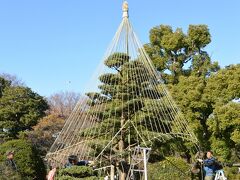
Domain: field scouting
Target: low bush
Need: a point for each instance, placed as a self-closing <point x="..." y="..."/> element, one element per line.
<point x="77" y="171"/>
<point x="231" y="172"/>
<point x="7" y="174"/>
<point x="73" y="178"/>
<point x="168" y="169"/>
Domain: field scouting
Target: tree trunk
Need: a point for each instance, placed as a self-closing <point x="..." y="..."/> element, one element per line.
<point x="122" y="175"/>
<point x="112" y="173"/>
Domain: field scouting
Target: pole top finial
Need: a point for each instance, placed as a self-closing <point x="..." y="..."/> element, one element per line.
<point x="125" y="9"/>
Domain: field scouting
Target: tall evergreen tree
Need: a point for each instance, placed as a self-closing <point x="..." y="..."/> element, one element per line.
<point x="131" y="104"/>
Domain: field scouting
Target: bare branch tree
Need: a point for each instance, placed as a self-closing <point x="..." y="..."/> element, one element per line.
<point x="62" y="103"/>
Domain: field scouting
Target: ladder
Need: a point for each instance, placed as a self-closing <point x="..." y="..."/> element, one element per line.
<point x="139" y="161"/>
<point x="220" y="175"/>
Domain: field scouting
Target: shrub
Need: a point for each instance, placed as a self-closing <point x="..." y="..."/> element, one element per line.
<point x="231" y="172"/>
<point x="67" y="178"/>
<point x="73" y="178"/>
<point x="168" y="169"/>
<point x="29" y="163"/>
<point x="7" y="174"/>
<point x="77" y="171"/>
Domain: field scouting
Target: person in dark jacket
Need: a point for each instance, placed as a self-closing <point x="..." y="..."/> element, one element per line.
<point x="210" y="166"/>
<point x="73" y="161"/>
<point x="10" y="163"/>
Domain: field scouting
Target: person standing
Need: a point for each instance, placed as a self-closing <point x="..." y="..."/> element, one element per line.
<point x="10" y="163"/>
<point x="209" y="166"/>
<point x="51" y="174"/>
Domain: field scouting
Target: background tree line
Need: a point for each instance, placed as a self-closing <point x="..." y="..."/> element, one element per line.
<point x="207" y="95"/>
<point x="29" y="124"/>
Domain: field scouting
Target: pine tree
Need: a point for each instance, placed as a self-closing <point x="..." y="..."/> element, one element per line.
<point x="130" y="104"/>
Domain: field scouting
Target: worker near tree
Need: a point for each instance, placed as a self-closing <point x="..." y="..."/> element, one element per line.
<point x="210" y="166"/>
<point x="10" y="163"/>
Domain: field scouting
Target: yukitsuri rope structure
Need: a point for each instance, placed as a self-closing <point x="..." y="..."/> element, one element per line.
<point x="125" y="106"/>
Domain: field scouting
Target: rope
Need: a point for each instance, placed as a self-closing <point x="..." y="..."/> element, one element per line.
<point x="129" y="106"/>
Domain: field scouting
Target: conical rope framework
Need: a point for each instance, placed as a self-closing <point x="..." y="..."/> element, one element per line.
<point x="127" y="106"/>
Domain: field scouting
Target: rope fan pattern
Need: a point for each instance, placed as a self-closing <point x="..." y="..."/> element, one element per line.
<point x="127" y="105"/>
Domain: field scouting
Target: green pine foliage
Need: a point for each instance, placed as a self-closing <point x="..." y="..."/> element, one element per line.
<point x="128" y="93"/>
<point x="168" y="169"/>
<point x="78" y="172"/>
<point x="73" y="178"/>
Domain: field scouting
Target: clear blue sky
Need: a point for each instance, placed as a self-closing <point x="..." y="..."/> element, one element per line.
<point x="48" y="43"/>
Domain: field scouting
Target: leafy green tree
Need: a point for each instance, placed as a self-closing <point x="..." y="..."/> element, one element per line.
<point x="224" y="126"/>
<point x="212" y="108"/>
<point x="223" y="93"/>
<point x="175" y="53"/>
<point x="224" y="86"/>
<point x="28" y="161"/>
<point x="186" y="67"/>
<point x="189" y="96"/>
<point x="20" y="108"/>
